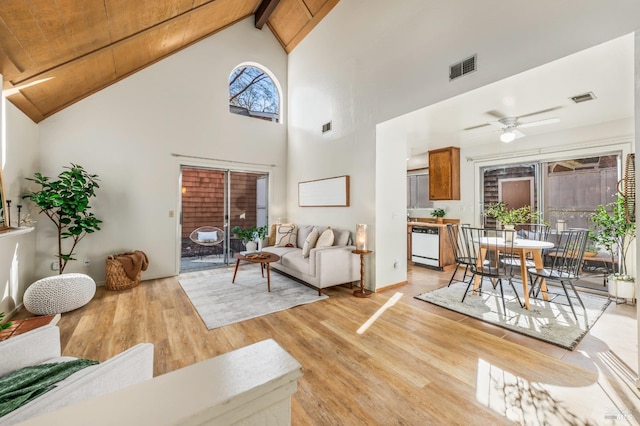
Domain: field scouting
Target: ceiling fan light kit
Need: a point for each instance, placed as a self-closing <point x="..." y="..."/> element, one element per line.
<point x="507" y="136"/>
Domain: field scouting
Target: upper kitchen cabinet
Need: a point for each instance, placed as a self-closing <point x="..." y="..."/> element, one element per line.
<point x="444" y="174"/>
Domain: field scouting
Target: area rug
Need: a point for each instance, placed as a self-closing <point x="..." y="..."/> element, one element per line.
<point x="552" y="321"/>
<point x="220" y="303"/>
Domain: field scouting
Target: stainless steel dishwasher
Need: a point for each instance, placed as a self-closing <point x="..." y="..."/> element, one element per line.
<point x="425" y="245"/>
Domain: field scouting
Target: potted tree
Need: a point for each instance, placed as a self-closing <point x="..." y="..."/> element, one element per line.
<point x="613" y="232"/>
<point x="66" y="202"/>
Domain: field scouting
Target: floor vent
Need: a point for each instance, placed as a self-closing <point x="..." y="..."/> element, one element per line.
<point x="326" y="127"/>
<point x="583" y="98"/>
<point x="462" y="68"/>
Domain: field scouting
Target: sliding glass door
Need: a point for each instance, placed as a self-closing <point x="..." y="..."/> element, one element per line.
<point x="566" y="190"/>
<point x="573" y="188"/>
<point x="516" y="185"/>
<point x="217" y="199"/>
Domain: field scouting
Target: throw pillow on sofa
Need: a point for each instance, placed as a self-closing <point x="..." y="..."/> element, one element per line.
<point x="310" y="242"/>
<point x="326" y="238"/>
<point x="286" y="235"/>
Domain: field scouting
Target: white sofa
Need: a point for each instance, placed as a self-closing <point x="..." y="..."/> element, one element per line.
<point x="325" y="267"/>
<point x="42" y="345"/>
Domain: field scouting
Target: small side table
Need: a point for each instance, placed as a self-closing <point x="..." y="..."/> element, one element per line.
<point x="362" y="292"/>
<point x="24" y="325"/>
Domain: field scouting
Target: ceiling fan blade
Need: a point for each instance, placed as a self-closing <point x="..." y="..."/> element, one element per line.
<point x="539" y="122"/>
<point x="542" y="111"/>
<point x="496" y="114"/>
<point x="498" y="124"/>
<point x="518" y="133"/>
<point x="476" y="127"/>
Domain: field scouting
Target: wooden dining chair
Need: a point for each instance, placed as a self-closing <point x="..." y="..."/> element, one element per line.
<point x="567" y="256"/>
<point x="487" y="249"/>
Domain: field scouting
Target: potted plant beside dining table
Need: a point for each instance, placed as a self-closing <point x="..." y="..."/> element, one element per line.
<point x="615" y="233"/>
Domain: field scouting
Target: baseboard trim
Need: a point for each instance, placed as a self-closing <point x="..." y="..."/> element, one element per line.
<point x="391" y="286"/>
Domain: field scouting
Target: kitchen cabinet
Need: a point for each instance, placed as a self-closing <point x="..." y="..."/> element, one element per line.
<point x="446" y="259"/>
<point x="444" y="174"/>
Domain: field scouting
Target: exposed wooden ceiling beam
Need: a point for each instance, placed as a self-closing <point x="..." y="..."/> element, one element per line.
<point x="264" y="11"/>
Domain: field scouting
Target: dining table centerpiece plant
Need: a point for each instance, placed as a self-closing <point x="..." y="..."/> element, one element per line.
<point x="65" y="202"/>
<point x="614" y="233"/>
<point x="511" y="217"/>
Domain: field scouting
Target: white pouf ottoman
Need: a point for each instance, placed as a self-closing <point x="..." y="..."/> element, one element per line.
<point x="58" y="294"/>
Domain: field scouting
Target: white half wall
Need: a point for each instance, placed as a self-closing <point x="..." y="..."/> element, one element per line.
<point x="19" y="159"/>
<point x="368" y="62"/>
<point x="127" y="133"/>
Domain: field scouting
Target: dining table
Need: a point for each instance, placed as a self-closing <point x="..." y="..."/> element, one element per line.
<point x="525" y="250"/>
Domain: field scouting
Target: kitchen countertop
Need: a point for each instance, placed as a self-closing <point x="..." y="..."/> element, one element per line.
<point x="431" y="222"/>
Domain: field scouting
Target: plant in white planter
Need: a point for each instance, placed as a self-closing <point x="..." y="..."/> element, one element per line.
<point x="613" y="232"/>
<point x="251" y="237"/>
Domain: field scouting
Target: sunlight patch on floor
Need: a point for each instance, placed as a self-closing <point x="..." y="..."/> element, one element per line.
<point x="392" y="301"/>
<point x="532" y="403"/>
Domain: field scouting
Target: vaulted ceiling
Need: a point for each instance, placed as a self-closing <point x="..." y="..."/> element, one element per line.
<point x="54" y="53"/>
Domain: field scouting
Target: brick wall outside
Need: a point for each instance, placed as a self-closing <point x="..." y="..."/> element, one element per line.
<point x="203" y="199"/>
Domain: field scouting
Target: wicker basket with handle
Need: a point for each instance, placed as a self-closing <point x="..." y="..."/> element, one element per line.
<point x="116" y="278"/>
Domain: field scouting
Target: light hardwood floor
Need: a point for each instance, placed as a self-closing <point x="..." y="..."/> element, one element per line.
<point x="417" y="364"/>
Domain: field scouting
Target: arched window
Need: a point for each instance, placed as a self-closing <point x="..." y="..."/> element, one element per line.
<point x="253" y="93"/>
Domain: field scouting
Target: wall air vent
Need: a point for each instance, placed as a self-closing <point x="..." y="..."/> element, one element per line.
<point x="583" y="98"/>
<point x="326" y="127"/>
<point x="462" y="68"/>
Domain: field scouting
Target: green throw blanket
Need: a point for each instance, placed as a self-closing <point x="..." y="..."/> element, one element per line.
<point x="21" y="386"/>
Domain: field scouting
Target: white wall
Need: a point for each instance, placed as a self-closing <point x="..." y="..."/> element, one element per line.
<point x="368" y="62"/>
<point x="127" y="133"/>
<point x="17" y="252"/>
<point x="636" y="61"/>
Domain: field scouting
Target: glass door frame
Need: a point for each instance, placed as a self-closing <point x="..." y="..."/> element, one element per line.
<point x="617" y="147"/>
<point x="227" y="222"/>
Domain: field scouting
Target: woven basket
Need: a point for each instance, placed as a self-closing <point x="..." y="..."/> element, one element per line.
<point x="116" y="278"/>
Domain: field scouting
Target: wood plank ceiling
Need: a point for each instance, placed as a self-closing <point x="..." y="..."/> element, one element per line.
<point x="54" y="53"/>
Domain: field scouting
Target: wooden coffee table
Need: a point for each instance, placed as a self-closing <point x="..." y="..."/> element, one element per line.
<point x="263" y="258"/>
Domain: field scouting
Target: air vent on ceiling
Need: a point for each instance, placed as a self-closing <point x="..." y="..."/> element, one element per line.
<point x="326" y="127"/>
<point x="462" y="68"/>
<point x="583" y="98"/>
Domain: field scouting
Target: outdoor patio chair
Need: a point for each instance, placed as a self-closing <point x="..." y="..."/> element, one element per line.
<point x="209" y="238"/>
<point x="567" y="258"/>
<point x="487" y="248"/>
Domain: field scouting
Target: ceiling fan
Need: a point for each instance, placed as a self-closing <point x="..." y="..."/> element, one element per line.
<point x="510" y="125"/>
